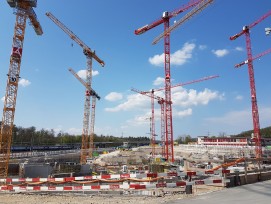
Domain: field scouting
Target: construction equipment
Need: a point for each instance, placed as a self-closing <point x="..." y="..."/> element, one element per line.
<point x="199" y="7"/>
<point x="267" y="31"/>
<point x="228" y="164"/>
<point x="147" y="27"/>
<point x="23" y="10"/>
<point x="91" y="92"/>
<point x="89" y="55"/>
<point x="168" y="110"/>
<point x="87" y="51"/>
<point x="162" y="103"/>
<point x="255" y="113"/>
<point x="152" y="121"/>
<point x="253" y="58"/>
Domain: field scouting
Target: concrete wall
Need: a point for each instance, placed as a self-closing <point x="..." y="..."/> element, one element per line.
<point x="237" y="180"/>
<point x="35" y="171"/>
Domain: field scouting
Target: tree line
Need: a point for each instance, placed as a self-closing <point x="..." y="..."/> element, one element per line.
<point x="32" y="136"/>
<point x="265" y="133"/>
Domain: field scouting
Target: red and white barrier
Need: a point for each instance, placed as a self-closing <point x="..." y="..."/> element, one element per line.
<point x="113" y="176"/>
<point x="112" y="186"/>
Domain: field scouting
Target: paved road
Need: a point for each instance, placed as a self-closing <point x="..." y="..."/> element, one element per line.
<point x="258" y="193"/>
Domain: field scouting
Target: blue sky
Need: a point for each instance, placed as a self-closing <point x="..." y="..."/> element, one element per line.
<point x="50" y="97"/>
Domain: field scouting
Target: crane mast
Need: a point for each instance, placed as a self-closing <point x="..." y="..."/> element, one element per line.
<point x="152" y="128"/>
<point x="253" y="58"/>
<point x="23" y="11"/>
<point x="85" y="143"/>
<point x="162" y="103"/>
<point x="89" y="55"/>
<point x="92" y="122"/>
<point x="199" y="7"/>
<point x="174" y="13"/>
<point x="255" y="112"/>
<point x="166" y="35"/>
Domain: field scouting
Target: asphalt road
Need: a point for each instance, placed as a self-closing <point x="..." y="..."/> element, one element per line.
<point x="258" y="193"/>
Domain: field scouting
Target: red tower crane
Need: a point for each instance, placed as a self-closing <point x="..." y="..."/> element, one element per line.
<point x="89" y="55"/>
<point x="91" y="92"/>
<point x="152" y="128"/>
<point x="253" y="58"/>
<point x="255" y="113"/>
<point x="168" y="110"/>
<point x="198" y="8"/>
<point x="168" y="15"/>
<point x="23" y="10"/>
<point x="162" y="102"/>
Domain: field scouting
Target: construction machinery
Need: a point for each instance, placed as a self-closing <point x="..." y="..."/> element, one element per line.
<point x="89" y="55"/>
<point x="198" y="8"/>
<point x="162" y="102"/>
<point x="89" y="92"/>
<point x="152" y="120"/>
<point x="255" y="113"/>
<point x="253" y="58"/>
<point x="168" y="109"/>
<point x="23" y="10"/>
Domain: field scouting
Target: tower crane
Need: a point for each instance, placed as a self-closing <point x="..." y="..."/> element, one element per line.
<point x="168" y="110"/>
<point x="91" y="92"/>
<point x="253" y="58"/>
<point x="86" y="50"/>
<point x="199" y="7"/>
<point x="23" y="10"/>
<point x="162" y="102"/>
<point x="89" y="55"/>
<point x="255" y="113"/>
<point x="174" y="13"/>
<point x="152" y="128"/>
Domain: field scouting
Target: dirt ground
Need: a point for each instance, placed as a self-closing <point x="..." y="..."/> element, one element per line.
<point x="30" y="198"/>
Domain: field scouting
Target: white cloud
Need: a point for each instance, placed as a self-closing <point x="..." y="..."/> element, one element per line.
<point x="202" y="47"/>
<point x="83" y="73"/>
<point x="185" y="113"/>
<point x="140" y="119"/>
<point x="239" y="49"/>
<point x="74" y="131"/>
<point x="58" y="129"/>
<point x="114" y="96"/>
<point x="235" y="121"/>
<point x="3" y="99"/>
<point x="24" y="82"/>
<point x="239" y="97"/>
<point x="133" y="101"/>
<point x="238" y="121"/>
<point x="144" y="118"/>
<point x="95" y="73"/>
<point x="180" y="57"/>
<point x="158" y="81"/>
<point x="186" y="98"/>
<point x="157" y="60"/>
<point x="220" y="53"/>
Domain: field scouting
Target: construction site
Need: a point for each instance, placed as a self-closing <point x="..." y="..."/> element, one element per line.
<point x="159" y="171"/>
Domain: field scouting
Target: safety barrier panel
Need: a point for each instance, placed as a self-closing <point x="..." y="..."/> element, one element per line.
<point x="115" y="176"/>
<point x="123" y="186"/>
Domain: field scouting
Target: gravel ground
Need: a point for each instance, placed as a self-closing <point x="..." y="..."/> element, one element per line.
<point x="69" y="198"/>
